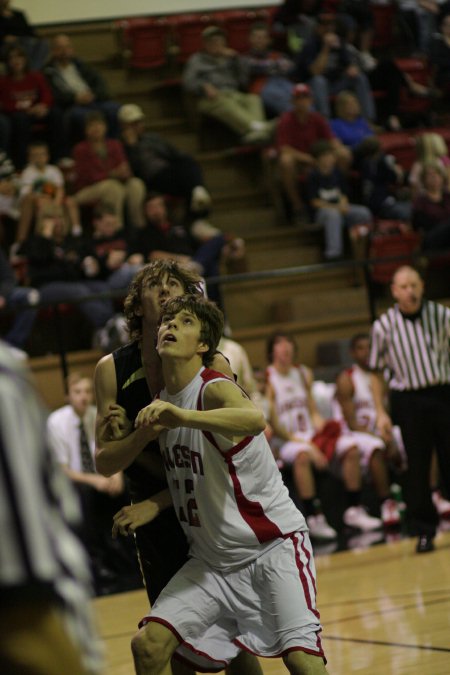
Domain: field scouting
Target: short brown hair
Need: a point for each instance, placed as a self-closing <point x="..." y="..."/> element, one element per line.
<point x="190" y="281"/>
<point x="209" y="315"/>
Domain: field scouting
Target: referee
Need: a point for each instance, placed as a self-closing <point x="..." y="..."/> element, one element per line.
<point x="45" y="618"/>
<point x="411" y="341"/>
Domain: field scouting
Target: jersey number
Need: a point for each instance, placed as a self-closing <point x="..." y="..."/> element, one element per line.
<point x="188" y="514"/>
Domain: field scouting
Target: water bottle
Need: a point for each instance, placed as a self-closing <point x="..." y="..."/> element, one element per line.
<point x="397" y="495"/>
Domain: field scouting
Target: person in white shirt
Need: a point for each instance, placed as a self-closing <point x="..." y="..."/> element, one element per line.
<point x="71" y="433"/>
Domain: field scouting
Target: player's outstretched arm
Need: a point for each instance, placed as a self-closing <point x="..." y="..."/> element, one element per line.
<point x="228" y="412"/>
<point x="112" y="456"/>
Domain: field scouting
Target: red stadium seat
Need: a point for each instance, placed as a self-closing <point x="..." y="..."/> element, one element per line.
<point x="237" y="26"/>
<point x="187" y="34"/>
<point x="400" y="144"/>
<point x="383" y="28"/>
<point x="144" y="42"/>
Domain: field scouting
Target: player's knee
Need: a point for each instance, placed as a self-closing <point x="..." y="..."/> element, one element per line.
<point x="149" y="651"/>
<point x="302" y="460"/>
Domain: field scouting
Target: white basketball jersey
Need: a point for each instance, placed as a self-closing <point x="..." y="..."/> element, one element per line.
<point x="365" y="413"/>
<point x="230" y="500"/>
<point x="291" y="400"/>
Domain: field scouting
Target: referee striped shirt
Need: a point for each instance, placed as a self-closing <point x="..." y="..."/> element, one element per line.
<point x="414" y="350"/>
<point x="37" y="548"/>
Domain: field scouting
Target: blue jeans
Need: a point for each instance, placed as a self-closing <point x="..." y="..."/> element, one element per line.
<point x="277" y="95"/>
<point x="334" y="222"/>
<point x="24" y="319"/>
<point x="97" y="311"/>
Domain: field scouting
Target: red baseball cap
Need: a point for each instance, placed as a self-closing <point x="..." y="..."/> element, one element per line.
<point x="301" y="90"/>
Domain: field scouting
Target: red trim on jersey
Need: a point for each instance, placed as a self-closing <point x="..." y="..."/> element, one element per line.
<point x="303" y="575"/>
<point x="320" y="652"/>
<point x="208" y="375"/>
<point x="252" y="512"/>
<point x="215" y="665"/>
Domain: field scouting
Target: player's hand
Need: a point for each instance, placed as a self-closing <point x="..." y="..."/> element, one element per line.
<point x="384" y="425"/>
<point x="318" y="458"/>
<point x="119" y="425"/>
<point x="129" y="518"/>
<point x="161" y="413"/>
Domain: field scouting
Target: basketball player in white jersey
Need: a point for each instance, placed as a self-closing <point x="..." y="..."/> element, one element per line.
<point x="296" y="423"/>
<point x="240" y="522"/>
<point x="356" y="407"/>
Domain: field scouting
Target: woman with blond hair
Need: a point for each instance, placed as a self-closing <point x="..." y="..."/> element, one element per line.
<point x="431" y="208"/>
<point x="430" y="147"/>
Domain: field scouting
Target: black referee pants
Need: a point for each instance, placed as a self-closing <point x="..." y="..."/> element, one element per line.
<point x="424" y="419"/>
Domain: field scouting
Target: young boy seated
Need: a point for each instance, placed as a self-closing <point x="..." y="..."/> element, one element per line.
<point x="328" y="198"/>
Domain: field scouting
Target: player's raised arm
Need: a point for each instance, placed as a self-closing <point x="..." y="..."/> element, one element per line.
<point x="228" y="412"/>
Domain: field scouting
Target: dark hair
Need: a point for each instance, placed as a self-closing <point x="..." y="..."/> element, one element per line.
<point x="37" y="144"/>
<point x="260" y="25"/>
<point x="209" y="315"/>
<point x="94" y="116"/>
<point x="16" y="49"/>
<point x="357" y="338"/>
<point x="273" y="339"/>
<point x="154" y="271"/>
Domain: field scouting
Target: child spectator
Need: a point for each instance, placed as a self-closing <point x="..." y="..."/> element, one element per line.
<point x="329" y="201"/>
<point x="430" y="147"/>
<point x="380" y="175"/>
<point x="42" y="183"/>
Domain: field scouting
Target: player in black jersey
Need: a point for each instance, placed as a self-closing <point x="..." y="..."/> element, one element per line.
<point x="125" y="382"/>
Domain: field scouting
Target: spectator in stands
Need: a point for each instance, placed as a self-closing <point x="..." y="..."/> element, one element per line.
<point x="420" y="18"/>
<point x="326" y="64"/>
<point x="269" y="72"/>
<point x="55" y="267"/>
<point x="431" y="208"/>
<point x="71" y="433"/>
<point x="300" y="439"/>
<point x="104" y="175"/>
<point x="328" y="197"/>
<point x="440" y="56"/>
<point x="15" y="30"/>
<point x="430" y="147"/>
<point x="357" y="15"/>
<point x="113" y="258"/>
<point x="15" y="297"/>
<point x="26" y="99"/>
<point x="78" y="89"/>
<point x="381" y="178"/>
<point x="293" y="23"/>
<point x="217" y="76"/>
<point x="385" y="76"/>
<point x="162" y="239"/>
<point x="296" y="134"/>
<point x="5" y="133"/>
<point x="42" y="183"/>
<point x="9" y="191"/>
<point x="349" y="125"/>
<point x="161" y="166"/>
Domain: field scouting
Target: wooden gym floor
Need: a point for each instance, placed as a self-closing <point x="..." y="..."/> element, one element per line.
<point x="385" y="611"/>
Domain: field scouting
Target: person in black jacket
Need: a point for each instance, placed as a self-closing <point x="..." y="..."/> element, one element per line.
<point x="78" y="89"/>
<point x="15" y="30"/>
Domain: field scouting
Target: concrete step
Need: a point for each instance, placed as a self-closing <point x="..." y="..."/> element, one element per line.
<point x="257" y="302"/>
